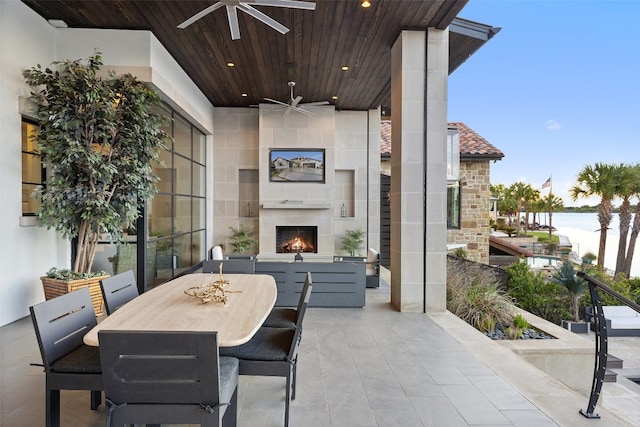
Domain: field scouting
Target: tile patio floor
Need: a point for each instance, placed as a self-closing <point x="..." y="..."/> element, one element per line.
<point x="358" y="368"/>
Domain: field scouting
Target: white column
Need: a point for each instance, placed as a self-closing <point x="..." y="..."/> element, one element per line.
<point x="419" y="71"/>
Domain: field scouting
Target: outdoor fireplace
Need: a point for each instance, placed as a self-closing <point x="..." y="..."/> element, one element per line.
<point x="292" y="239"/>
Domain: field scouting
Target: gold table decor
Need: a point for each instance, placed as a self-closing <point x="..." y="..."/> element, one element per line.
<point x="211" y="291"/>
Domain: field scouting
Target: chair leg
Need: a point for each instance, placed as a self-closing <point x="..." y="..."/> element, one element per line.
<point x="287" y="400"/>
<point x="294" y="369"/>
<point x="230" y="418"/>
<point x="96" y="399"/>
<point x="52" y="410"/>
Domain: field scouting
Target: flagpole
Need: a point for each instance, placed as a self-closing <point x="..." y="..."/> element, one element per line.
<point x="550" y="197"/>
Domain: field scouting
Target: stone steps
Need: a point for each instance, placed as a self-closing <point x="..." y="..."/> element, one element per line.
<point x="612" y="363"/>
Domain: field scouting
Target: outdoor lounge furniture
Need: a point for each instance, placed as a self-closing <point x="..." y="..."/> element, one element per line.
<point x="60" y="324"/>
<point x="167" y="377"/>
<point x="274" y="352"/>
<point x="118" y="290"/>
<point x="621" y="320"/>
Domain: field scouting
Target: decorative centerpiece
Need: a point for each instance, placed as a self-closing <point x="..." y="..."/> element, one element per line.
<point x="211" y="291"/>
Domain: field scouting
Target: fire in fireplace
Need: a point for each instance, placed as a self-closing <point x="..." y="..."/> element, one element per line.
<point x="292" y="239"/>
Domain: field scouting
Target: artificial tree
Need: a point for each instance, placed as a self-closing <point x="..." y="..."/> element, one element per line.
<point x="98" y="137"/>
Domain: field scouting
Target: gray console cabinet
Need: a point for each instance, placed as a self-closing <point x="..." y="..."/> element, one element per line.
<point x="335" y="284"/>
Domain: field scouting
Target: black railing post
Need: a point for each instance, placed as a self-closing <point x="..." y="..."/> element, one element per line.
<point x="602" y="337"/>
<point x="601" y="352"/>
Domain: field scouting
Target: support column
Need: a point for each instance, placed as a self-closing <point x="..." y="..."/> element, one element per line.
<point x="419" y="73"/>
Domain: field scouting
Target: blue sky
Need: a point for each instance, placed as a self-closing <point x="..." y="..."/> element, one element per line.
<point x="558" y="88"/>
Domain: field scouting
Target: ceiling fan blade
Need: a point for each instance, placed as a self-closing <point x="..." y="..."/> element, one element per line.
<point x="303" y="111"/>
<point x="264" y="18"/>
<point x="315" y="104"/>
<point x="294" y="102"/>
<point x="276" y="101"/>
<point x="293" y="4"/>
<point x="232" y="15"/>
<point x="202" y="13"/>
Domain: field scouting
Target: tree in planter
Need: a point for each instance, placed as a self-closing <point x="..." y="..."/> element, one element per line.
<point x="98" y="138"/>
<point x="352" y="241"/>
<point x="241" y="239"/>
<point x="567" y="277"/>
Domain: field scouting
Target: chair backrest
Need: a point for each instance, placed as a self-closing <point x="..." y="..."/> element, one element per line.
<point x="304" y="296"/>
<point x="61" y="323"/>
<point x="302" y="308"/>
<point x="160" y="367"/>
<point x="118" y="290"/>
<point x="230" y="266"/>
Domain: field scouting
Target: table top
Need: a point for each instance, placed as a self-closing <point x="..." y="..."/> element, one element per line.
<point x="167" y="308"/>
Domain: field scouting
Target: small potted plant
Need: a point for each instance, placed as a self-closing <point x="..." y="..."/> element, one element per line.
<point x="566" y="276"/>
<point x="97" y="137"/>
<point x="242" y="239"/>
<point x="588" y="258"/>
<point x="352" y="241"/>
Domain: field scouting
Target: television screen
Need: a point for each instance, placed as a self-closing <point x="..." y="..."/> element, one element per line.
<point x="296" y="165"/>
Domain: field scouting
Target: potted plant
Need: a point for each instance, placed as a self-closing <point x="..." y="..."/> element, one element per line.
<point x="588" y="258"/>
<point x="241" y="239"/>
<point x="98" y="137"/>
<point x="352" y="241"/>
<point x="567" y="277"/>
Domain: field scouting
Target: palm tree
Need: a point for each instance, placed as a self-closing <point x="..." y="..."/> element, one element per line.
<point x="531" y="195"/>
<point x="520" y="192"/>
<point x="598" y="180"/>
<point x="627" y="185"/>
<point x="634" y="191"/>
<point x="551" y="202"/>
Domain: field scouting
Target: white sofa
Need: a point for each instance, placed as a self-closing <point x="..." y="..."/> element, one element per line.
<point x="621" y="320"/>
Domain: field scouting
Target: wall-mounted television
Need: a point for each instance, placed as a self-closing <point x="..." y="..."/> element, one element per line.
<point x="305" y="165"/>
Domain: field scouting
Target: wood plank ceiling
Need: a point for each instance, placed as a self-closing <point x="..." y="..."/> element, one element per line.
<point x="338" y="33"/>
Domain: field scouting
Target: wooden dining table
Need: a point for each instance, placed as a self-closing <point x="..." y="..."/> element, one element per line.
<point x="250" y="298"/>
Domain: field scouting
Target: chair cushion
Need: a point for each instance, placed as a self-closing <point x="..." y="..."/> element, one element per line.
<point x="268" y="344"/>
<point x="281" y="318"/>
<point x="83" y="360"/>
<point x="229" y="371"/>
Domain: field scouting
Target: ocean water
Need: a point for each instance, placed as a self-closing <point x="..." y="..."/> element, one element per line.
<point x="583" y="230"/>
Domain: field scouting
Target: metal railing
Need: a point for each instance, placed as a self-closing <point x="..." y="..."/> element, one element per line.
<point x="601" y="341"/>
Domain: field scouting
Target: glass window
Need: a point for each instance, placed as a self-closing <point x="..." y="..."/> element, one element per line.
<point x="32" y="171"/>
<point x="176" y="216"/>
<point x="453" y="205"/>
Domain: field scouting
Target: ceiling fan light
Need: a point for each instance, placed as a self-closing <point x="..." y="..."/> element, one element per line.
<point x="365" y="4"/>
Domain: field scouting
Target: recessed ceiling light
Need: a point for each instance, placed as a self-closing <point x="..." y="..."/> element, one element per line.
<point x="344" y="67"/>
<point x="58" y="23"/>
<point x="231" y="64"/>
<point x="245" y="95"/>
<point x="334" y="97"/>
<point x="365" y="3"/>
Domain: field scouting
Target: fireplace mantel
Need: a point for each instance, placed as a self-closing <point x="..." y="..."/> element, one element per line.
<point x="284" y="205"/>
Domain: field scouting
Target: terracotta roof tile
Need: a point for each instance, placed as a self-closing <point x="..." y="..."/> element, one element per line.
<point x="472" y="145"/>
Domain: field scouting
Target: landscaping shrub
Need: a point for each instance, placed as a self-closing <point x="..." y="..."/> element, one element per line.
<point x="473" y="296"/>
<point x="535" y="294"/>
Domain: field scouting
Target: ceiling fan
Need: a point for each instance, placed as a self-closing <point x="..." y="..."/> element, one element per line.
<point x="295" y="105"/>
<point x="232" y="7"/>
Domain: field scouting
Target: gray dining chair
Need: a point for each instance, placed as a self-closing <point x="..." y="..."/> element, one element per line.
<point x="118" y="290"/>
<point x="167" y="377"/>
<point x="230" y="266"/>
<point x="69" y="364"/>
<point x="284" y="317"/>
<point x="273" y="352"/>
